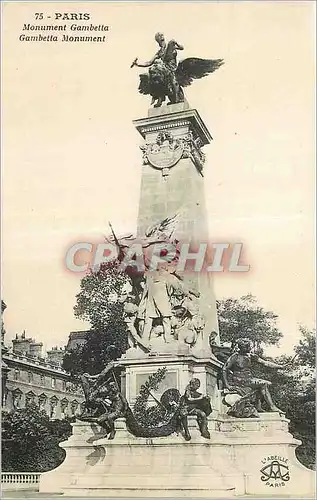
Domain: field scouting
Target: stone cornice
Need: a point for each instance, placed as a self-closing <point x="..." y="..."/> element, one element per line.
<point x="34" y="364"/>
<point x="169" y="359"/>
<point x="31" y="386"/>
<point x="189" y="117"/>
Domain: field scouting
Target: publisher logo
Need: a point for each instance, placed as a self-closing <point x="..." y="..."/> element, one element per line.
<point x="275" y="472"/>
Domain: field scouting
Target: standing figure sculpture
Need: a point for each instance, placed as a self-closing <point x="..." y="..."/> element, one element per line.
<point x="130" y="310"/>
<point x="166" y="77"/>
<point x="238" y="380"/>
<point x="156" y="301"/>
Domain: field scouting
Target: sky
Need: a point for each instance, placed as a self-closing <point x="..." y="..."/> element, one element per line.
<point x="71" y="159"/>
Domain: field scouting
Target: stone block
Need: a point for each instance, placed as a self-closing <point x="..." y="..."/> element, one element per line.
<point x="168" y="109"/>
<point x="180" y="369"/>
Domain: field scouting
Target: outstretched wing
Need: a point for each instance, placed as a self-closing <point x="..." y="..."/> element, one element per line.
<point x="165" y="227"/>
<point x="193" y="67"/>
<point x="144" y="86"/>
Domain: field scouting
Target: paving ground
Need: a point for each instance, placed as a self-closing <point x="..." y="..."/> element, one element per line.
<point x="28" y="494"/>
<point x="36" y="495"/>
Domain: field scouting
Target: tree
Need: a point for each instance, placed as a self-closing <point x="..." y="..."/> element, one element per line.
<point x="30" y="440"/>
<point x="306" y="349"/>
<point x="97" y="302"/>
<point x="243" y="317"/>
<point x="293" y="390"/>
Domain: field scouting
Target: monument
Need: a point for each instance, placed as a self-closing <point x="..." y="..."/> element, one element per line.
<point x="200" y="437"/>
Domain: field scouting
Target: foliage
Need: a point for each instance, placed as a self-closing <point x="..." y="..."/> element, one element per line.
<point x="99" y="291"/>
<point x="93" y="355"/>
<point x="297" y="398"/>
<point x="243" y="317"/>
<point x="97" y="302"/>
<point x="293" y="389"/>
<point x="30" y="440"/>
<point x="149" y="416"/>
<point x="306" y="349"/>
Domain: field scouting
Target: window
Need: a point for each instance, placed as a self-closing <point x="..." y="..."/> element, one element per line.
<point x="63" y="385"/>
<point x="74" y="406"/>
<point x="16" y="374"/>
<point x="64" y="407"/>
<point x="53" y="382"/>
<point x="53" y="405"/>
<point x="42" y="380"/>
<point x="30" y="377"/>
<point x="42" y="401"/>
<point x="16" y="399"/>
<point x="29" y="398"/>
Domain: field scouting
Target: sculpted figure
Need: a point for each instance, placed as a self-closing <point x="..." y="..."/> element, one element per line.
<point x="163" y="65"/>
<point x="104" y="402"/>
<point x="156" y="302"/>
<point x="197" y="404"/>
<point x="238" y="379"/>
<point x="94" y="385"/>
<point x="166" y="77"/>
<point x="130" y="314"/>
<point x="114" y="406"/>
<point x="159" y="233"/>
<point x="187" y="322"/>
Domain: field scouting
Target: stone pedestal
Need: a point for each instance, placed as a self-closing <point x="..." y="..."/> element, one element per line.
<point x="172" y="184"/>
<point x="180" y="369"/>
<point x="230" y="464"/>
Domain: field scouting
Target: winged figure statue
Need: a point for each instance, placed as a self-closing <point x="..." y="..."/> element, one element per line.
<point x="166" y="77"/>
<point x="160" y="232"/>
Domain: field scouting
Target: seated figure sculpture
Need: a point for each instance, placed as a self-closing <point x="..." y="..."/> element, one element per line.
<point x="93" y="385"/>
<point x="197" y="404"/>
<point x="115" y="406"/>
<point x="104" y="404"/>
<point x="238" y="379"/>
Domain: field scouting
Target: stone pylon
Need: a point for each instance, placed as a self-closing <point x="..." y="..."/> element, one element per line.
<point x="173" y="184"/>
<point x="172" y="187"/>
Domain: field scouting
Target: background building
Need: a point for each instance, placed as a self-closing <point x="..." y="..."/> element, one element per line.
<point x="29" y="377"/>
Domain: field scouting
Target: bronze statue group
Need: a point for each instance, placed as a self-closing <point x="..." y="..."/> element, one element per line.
<point x="105" y="403"/>
<point x="166" y="77"/>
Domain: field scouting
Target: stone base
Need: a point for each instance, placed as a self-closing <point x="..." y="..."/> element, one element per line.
<point x="167" y="109"/>
<point x="227" y="465"/>
<point x="180" y="369"/>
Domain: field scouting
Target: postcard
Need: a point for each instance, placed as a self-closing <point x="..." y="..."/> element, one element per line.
<point x="158" y="324"/>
